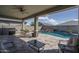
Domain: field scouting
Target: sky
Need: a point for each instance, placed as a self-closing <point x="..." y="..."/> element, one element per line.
<point x="58" y="18"/>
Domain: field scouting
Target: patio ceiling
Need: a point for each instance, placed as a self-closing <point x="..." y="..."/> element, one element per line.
<point x="13" y="11"/>
<point x="27" y="11"/>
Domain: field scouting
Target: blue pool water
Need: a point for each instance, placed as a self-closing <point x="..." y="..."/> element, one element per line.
<point x="59" y="34"/>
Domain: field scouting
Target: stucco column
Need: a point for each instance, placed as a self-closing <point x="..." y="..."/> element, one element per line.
<point x="35" y="27"/>
<point x="78" y="21"/>
<point x="22" y="25"/>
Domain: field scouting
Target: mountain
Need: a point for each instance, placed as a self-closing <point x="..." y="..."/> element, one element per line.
<point x="70" y="23"/>
<point x="53" y="22"/>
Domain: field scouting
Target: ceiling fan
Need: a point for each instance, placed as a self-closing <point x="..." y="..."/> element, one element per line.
<point x="20" y="8"/>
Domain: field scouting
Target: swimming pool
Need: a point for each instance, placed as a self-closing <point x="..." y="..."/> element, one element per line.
<point x="59" y="34"/>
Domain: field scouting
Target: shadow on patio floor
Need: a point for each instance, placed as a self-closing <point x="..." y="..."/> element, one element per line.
<point x="22" y="46"/>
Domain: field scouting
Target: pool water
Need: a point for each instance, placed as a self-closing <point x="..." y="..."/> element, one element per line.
<point x="59" y="34"/>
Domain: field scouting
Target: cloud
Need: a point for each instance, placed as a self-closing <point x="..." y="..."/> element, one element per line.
<point x="44" y="17"/>
<point x="47" y="21"/>
<point x="75" y="19"/>
<point x="53" y="21"/>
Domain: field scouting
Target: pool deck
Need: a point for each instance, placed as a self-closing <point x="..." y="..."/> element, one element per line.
<point x="51" y="43"/>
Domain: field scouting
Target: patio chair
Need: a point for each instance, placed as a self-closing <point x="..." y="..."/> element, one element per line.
<point x="8" y="46"/>
<point x="70" y="46"/>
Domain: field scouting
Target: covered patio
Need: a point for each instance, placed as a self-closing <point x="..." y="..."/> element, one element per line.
<point x="17" y="14"/>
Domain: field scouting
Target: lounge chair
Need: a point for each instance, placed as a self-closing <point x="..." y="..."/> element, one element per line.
<point x="70" y="46"/>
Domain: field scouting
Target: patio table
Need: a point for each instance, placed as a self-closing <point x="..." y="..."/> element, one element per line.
<point x="36" y="45"/>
